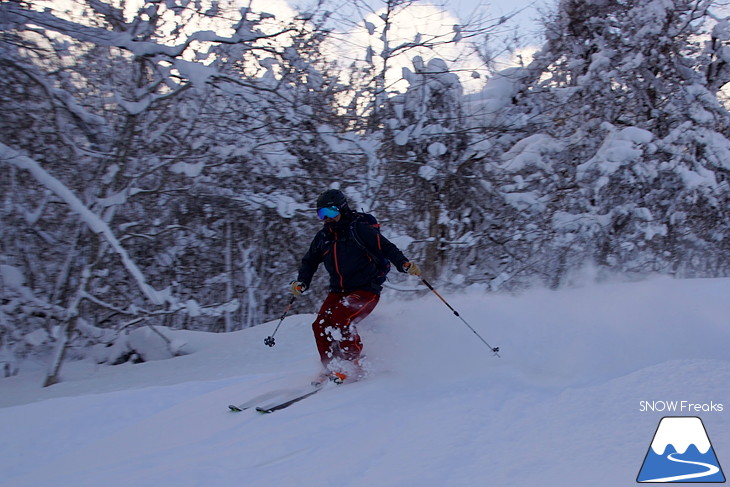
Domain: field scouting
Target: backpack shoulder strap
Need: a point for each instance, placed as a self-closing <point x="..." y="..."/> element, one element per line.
<point x="353" y="233"/>
<point x="380" y="261"/>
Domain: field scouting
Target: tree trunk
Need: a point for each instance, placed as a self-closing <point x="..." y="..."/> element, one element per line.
<point x="64" y="338"/>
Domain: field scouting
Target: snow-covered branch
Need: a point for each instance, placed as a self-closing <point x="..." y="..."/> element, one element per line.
<point x="125" y="39"/>
<point x="92" y="220"/>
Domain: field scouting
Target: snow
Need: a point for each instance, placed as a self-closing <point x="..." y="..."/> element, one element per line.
<point x="621" y="147"/>
<point x="498" y="91"/>
<point x="688" y="430"/>
<point x="191" y="170"/>
<point x="427" y="172"/>
<point x="437" y="149"/>
<point x="11" y="276"/>
<point x="524" y="201"/>
<point x="529" y="152"/>
<point x="561" y="407"/>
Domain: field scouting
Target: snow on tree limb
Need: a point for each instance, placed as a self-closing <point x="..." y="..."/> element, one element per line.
<point x="12" y="13"/>
<point x="96" y="224"/>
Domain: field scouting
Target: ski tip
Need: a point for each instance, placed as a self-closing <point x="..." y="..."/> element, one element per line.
<point x="264" y="410"/>
<point x="234" y="409"/>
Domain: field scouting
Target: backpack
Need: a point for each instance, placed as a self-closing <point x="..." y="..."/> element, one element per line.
<point x="380" y="261"/>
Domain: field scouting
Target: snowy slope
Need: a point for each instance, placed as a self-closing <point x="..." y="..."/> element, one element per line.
<point x="561" y="407"/>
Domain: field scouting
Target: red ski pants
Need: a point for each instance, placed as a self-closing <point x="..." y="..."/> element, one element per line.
<point x="334" y="329"/>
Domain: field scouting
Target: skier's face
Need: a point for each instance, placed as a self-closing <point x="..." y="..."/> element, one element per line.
<point x="331" y="220"/>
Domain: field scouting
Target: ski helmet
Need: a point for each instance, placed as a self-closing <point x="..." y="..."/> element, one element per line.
<point x="333" y="197"/>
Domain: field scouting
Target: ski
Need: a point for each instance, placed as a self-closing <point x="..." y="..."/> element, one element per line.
<point x="276" y="406"/>
<point x="283" y="398"/>
<point x="267" y="396"/>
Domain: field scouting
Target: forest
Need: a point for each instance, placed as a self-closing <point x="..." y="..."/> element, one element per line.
<point x="160" y="159"/>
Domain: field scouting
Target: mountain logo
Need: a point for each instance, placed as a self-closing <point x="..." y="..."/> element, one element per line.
<point x="681" y="452"/>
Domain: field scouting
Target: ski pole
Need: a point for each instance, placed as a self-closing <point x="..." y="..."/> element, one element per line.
<point x="269" y="341"/>
<point x="493" y="349"/>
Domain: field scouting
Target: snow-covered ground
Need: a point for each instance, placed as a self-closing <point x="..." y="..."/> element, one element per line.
<point x="561" y="407"/>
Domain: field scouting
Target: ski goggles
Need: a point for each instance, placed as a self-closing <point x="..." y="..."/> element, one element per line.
<point x="328" y="212"/>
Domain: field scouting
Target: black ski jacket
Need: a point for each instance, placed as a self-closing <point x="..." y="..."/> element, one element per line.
<point x="350" y="267"/>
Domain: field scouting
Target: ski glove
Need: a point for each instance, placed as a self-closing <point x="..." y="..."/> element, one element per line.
<point x="412" y="268"/>
<point x="298" y="288"/>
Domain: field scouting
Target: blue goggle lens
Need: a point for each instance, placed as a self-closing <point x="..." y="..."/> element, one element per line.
<point x="328" y="212"/>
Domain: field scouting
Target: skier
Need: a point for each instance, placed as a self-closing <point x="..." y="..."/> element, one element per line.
<point x="355" y="255"/>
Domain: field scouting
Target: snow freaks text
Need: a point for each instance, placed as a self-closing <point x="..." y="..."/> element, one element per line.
<point x="680" y="407"/>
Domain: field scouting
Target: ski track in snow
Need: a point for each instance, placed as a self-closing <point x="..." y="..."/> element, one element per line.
<point x="711" y="470"/>
<point x="561" y="407"/>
